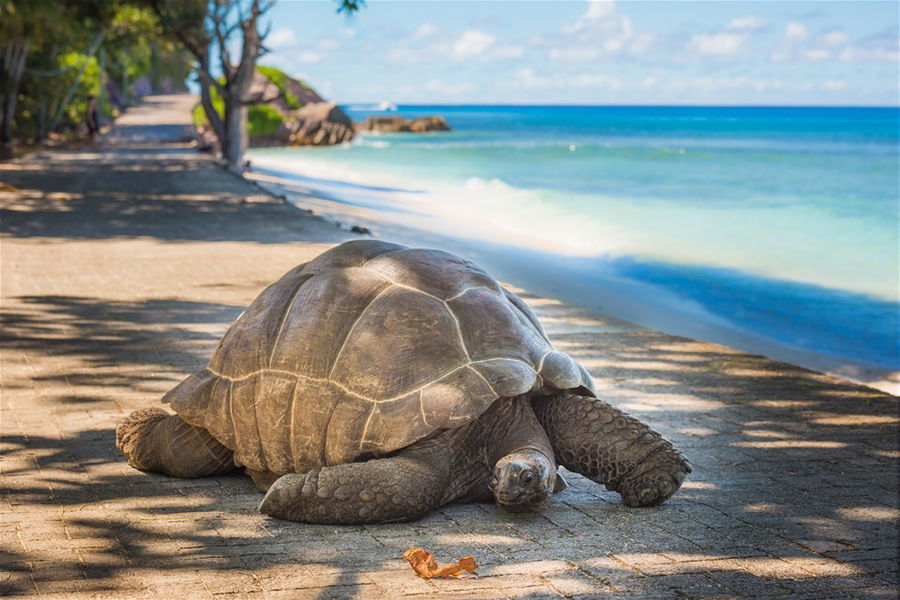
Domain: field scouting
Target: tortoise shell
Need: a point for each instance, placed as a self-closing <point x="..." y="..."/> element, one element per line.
<point x="364" y="350"/>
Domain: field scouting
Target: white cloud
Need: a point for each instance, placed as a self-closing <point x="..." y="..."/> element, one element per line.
<point x="834" y="85"/>
<point x="869" y="54"/>
<point x="817" y="54"/>
<point x="327" y="44"/>
<point x="501" y="52"/>
<point x="574" y="54"/>
<point x="835" y="38"/>
<point x="471" y="44"/>
<point x="746" y="24"/>
<point x="527" y="78"/>
<point x="795" y="31"/>
<point x="589" y="80"/>
<point x="597" y="11"/>
<point x="599" y="31"/>
<point x="642" y="42"/>
<point x="402" y="55"/>
<point x="310" y="57"/>
<point x="881" y="47"/>
<point x="789" y="47"/>
<point x="833" y="45"/>
<point x="729" y="40"/>
<point x="712" y="85"/>
<point x="718" y="44"/>
<point x="426" y="30"/>
<point x="281" y="38"/>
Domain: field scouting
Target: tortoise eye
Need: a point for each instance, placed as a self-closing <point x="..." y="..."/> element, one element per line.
<point x="526" y="476"/>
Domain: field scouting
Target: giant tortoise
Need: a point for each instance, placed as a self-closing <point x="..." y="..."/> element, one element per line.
<point x="378" y="382"/>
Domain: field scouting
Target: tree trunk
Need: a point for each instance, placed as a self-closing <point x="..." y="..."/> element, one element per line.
<point x="215" y="120"/>
<point x="236" y="138"/>
<point x="41" y="125"/>
<point x="14" y="66"/>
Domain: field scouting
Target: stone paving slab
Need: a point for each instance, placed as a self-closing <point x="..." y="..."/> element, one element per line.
<point x="123" y="265"/>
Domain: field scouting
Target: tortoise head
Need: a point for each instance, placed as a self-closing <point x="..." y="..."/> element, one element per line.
<point x="523" y="480"/>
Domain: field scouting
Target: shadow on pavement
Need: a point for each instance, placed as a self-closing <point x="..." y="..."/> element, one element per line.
<point x="792" y="492"/>
<point x="67" y="200"/>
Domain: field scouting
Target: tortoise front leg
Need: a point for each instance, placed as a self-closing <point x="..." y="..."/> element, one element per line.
<point x="610" y="447"/>
<point x="401" y="488"/>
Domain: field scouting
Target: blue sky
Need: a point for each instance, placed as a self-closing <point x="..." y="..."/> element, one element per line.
<point x="593" y="52"/>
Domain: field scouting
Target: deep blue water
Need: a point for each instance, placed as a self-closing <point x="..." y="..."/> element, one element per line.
<point x="782" y="222"/>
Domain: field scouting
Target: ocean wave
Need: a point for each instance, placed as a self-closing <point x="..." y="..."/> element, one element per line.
<point x="361" y="141"/>
<point x="638" y="144"/>
<point x="763" y="234"/>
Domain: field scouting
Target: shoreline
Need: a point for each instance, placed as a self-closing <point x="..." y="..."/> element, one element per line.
<point x="558" y="277"/>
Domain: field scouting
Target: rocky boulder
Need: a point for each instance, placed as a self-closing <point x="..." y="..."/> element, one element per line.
<point x="399" y="124"/>
<point x="319" y="124"/>
<point x="290" y="95"/>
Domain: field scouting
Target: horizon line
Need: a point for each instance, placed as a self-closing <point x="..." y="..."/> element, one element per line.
<point x="618" y="105"/>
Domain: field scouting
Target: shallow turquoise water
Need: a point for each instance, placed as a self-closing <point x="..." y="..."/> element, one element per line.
<point x="780" y="221"/>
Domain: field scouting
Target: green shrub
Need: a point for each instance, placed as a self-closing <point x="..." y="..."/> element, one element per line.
<point x="262" y="119"/>
<point x="279" y="78"/>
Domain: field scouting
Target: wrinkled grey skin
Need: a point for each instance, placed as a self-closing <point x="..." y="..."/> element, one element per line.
<point x="508" y="410"/>
<point x="508" y="455"/>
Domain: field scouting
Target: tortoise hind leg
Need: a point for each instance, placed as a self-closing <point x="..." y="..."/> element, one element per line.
<point x="401" y="488"/>
<point x="604" y="444"/>
<point x="154" y="440"/>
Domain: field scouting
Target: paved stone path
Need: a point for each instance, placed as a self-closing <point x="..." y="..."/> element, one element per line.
<point x="121" y="267"/>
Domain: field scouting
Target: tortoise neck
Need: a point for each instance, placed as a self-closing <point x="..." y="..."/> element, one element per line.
<point x="471" y="452"/>
<point x="513" y="427"/>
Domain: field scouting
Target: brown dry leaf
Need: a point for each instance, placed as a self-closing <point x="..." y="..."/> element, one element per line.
<point x="6" y="187"/>
<point x="426" y="566"/>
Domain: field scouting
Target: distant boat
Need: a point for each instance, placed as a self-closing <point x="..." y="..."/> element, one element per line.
<point x="385" y="105"/>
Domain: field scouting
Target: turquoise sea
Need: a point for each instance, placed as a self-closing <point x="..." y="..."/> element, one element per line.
<point x="778" y="222"/>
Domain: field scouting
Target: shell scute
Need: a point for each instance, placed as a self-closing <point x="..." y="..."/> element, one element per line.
<point x="455" y="399"/>
<point x="560" y="371"/>
<point x="507" y="377"/>
<point x="355" y="253"/>
<point x="403" y="341"/>
<point x="492" y="328"/>
<point x="434" y="272"/>
<point x="247" y="345"/>
<point x="313" y="405"/>
<point x="319" y="318"/>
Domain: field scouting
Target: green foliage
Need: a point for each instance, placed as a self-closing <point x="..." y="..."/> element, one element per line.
<point x="262" y="119"/>
<point x="350" y="6"/>
<point x="280" y="79"/>
<point x="88" y="85"/>
<point x="116" y="42"/>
